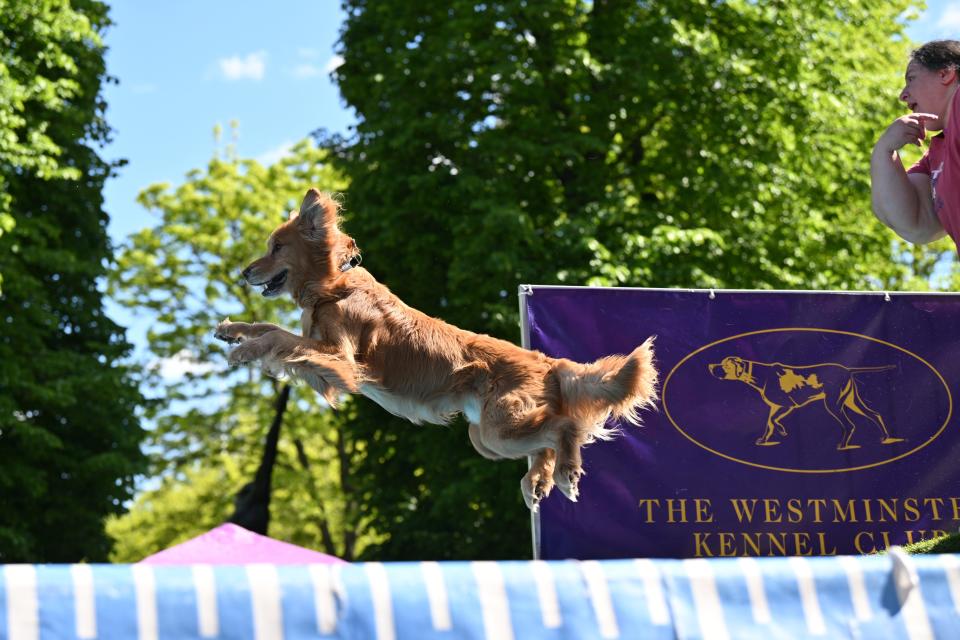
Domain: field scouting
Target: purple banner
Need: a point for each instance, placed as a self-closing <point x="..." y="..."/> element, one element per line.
<point x="787" y="423"/>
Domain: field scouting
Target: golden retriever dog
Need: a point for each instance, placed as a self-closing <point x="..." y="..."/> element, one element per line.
<point x="360" y="338"/>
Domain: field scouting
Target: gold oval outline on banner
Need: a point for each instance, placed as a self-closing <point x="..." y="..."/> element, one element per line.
<point x="663" y="399"/>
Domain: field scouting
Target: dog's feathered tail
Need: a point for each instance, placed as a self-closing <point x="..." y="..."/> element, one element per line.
<point x="618" y="386"/>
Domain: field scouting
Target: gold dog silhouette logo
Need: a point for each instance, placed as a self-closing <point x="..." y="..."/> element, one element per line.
<point x="806" y="400"/>
<point x="786" y="388"/>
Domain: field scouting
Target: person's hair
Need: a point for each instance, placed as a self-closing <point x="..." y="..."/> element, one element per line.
<point x="938" y="54"/>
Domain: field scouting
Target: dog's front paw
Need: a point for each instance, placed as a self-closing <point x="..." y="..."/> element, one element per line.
<point x="230" y="332"/>
<point x="245" y="353"/>
<point x="236" y="358"/>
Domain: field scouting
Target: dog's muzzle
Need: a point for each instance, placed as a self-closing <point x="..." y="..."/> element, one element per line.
<point x="716" y="370"/>
<point x="271" y="287"/>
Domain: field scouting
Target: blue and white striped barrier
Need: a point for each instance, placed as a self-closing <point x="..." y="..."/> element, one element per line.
<point x="873" y="597"/>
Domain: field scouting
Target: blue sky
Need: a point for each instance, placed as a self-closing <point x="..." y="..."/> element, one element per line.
<point x="940" y="20"/>
<point x="185" y="65"/>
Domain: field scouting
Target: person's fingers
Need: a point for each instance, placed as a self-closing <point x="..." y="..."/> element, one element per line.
<point x="913" y="131"/>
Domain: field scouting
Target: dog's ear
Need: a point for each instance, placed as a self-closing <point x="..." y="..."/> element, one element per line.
<point x="293" y="214"/>
<point x="318" y="214"/>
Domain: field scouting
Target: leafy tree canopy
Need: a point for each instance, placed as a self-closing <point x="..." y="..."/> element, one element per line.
<point x="69" y="434"/>
<point x="40" y="78"/>
<point x="604" y="142"/>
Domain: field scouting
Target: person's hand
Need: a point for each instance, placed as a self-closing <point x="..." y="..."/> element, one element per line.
<point x="908" y="129"/>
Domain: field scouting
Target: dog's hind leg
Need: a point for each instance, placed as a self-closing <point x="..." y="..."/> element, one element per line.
<point x="847" y="426"/>
<point x="569" y="467"/>
<point x="856" y="404"/>
<point x="778" y="418"/>
<point x="538" y="481"/>
<point x="514" y="427"/>
<point x="773" y="424"/>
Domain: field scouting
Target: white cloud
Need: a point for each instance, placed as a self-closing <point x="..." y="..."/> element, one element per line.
<point x="950" y="18"/>
<point x="251" y="67"/>
<point x="181" y="363"/>
<point x="270" y="157"/>
<point x="307" y="71"/>
<point x="333" y="63"/>
<point x="311" y="70"/>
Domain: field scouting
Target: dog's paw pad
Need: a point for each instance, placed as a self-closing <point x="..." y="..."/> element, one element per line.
<point x="229" y="332"/>
<point x="532" y="501"/>
<point x="542" y="489"/>
<point x="568" y="481"/>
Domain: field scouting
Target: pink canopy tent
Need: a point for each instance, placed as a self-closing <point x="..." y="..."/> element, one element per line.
<point x="230" y="544"/>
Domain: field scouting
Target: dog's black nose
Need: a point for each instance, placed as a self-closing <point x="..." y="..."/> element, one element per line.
<point x="245" y="274"/>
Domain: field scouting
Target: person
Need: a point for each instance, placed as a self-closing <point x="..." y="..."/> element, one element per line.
<point x="922" y="204"/>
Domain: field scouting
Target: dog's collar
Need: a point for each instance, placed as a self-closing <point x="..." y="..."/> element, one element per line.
<point x="351" y="263"/>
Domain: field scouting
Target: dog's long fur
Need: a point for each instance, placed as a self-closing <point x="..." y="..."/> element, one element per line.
<point x="360" y="338"/>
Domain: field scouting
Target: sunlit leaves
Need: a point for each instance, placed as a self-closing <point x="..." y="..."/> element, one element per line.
<point x="38" y="83"/>
<point x="657" y="144"/>
<point x="69" y="430"/>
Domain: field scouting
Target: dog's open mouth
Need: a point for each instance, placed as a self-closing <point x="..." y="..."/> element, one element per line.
<point x="273" y="286"/>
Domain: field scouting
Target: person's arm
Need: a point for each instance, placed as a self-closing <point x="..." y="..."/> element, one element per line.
<point x="903" y="202"/>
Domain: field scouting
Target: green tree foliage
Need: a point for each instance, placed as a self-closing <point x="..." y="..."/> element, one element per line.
<point x="607" y="142"/>
<point x="69" y="436"/>
<point x="210" y="422"/>
<point x="40" y="78"/>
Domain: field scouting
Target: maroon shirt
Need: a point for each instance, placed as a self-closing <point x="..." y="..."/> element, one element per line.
<point x="942" y="163"/>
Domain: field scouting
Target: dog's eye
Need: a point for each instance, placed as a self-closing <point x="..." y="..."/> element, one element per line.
<point x="275" y="249"/>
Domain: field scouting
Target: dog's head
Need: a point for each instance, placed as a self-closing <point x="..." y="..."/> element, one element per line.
<point x="309" y="247"/>
<point x="731" y="368"/>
